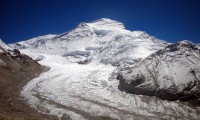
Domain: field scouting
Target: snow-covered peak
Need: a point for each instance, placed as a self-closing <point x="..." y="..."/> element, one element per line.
<point x="185" y="42"/>
<point x="103" y="40"/>
<point x="108" y="24"/>
<point x="181" y="45"/>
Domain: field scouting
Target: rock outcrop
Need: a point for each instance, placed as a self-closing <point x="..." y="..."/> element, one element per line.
<point x="172" y="73"/>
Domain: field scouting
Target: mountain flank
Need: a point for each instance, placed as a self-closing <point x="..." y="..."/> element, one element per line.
<point x="16" y="70"/>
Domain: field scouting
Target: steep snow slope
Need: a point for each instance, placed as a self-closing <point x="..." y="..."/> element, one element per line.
<point x="172" y="73"/>
<point x="32" y="43"/>
<point x="4" y="47"/>
<point x="82" y="81"/>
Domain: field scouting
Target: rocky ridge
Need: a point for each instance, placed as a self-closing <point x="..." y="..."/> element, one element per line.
<point x="172" y="73"/>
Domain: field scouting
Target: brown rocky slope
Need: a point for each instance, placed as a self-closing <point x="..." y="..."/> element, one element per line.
<point x="16" y="70"/>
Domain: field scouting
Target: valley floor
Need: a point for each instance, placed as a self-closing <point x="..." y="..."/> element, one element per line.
<point x="79" y="92"/>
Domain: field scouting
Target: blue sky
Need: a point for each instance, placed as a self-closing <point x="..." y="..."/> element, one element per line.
<point x="170" y="20"/>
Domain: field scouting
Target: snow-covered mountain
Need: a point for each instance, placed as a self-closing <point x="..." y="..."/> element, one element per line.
<point x="85" y="62"/>
<point x="103" y="40"/>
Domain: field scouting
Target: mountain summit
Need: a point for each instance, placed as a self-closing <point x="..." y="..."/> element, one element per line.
<point x="102" y="40"/>
<point x="107" y="24"/>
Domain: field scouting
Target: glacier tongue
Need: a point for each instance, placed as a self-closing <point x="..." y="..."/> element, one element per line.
<point x="81" y="83"/>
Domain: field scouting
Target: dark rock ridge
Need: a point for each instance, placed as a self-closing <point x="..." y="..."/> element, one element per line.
<point x="172" y="73"/>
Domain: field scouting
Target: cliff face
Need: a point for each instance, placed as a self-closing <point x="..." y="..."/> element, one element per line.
<point x="172" y="73"/>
